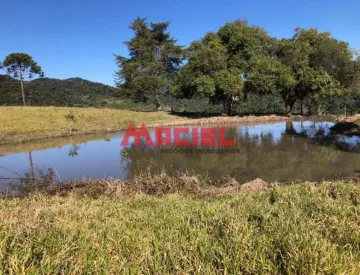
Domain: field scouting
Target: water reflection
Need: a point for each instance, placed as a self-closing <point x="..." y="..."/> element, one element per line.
<point x="280" y="151"/>
<point x="35" y="179"/>
<point x="74" y="150"/>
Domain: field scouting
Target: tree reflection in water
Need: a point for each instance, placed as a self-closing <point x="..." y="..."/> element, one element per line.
<point x="34" y="179"/>
<point x="304" y="151"/>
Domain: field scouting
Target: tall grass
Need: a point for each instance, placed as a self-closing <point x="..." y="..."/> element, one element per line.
<point x="302" y="229"/>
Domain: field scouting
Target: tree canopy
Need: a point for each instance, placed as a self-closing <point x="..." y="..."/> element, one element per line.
<point x="310" y="64"/>
<point x="154" y="59"/>
<point x="218" y="64"/>
<point x="240" y="59"/>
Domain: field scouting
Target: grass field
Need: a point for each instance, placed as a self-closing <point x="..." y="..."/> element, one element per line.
<point x="19" y="124"/>
<point x="301" y="229"/>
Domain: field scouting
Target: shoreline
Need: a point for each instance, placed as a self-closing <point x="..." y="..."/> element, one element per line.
<point x="105" y="121"/>
<point x="158" y="185"/>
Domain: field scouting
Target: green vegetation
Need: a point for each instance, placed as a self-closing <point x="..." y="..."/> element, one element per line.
<point x="154" y="61"/>
<point x="218" y="64"/>
<point x="297" y="68"/>
<point x="77" y="92"/>
<point x="73" y="92"/>
<point x="20" y="124"/>
<point x="303" y="229"/>
<point x="237" y="61"/>
<point x="21" y="66"/>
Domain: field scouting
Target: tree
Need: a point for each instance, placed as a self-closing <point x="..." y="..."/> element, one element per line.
<point x="218" y="64"/>
<point x="333" y="57"/>
<point x="311" y="64"/>
<point x="21" y="66"/>
<point x="154" y="59"/>
<point x="271" y="76"/>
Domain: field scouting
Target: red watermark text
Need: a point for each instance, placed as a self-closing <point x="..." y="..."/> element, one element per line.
<point x="178" y="137"/>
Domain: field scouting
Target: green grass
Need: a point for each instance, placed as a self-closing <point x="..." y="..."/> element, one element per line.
<point x="19" y="124"/>
<point x="301" y="229"/>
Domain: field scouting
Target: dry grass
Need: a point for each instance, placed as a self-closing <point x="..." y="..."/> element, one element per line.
<point x="153" y="185"/>
<point x="301" y="229"/>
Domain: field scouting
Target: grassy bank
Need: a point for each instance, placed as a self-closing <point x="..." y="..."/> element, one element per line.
<point x="303" y="229"/>
<point x="21" y="124"/>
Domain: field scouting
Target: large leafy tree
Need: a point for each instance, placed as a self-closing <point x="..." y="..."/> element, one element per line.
<point x="154" y="59"/>
<point x="270" y="76"/>
<point x="333" y="57"/>
<point x="311" y="64"/>
<point x="218" y="64"/>
<point x="21" y="66"/>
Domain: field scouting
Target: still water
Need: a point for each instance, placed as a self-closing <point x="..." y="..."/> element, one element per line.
<point x="281" y="151"/>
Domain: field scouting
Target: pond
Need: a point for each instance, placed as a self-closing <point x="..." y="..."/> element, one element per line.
<point x="279" y="151"/>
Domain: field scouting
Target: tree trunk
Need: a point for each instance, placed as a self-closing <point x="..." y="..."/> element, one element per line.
<point x="302" y="108"/>
<point x="288" y="109"/>
<point x="230" y="106"/>
<point x="22" y="87"/>
<point x="157" y="103"/>
<point x="319" y="110"/>
<point x="289" y="104"/>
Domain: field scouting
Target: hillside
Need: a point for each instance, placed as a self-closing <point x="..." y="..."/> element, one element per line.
<point x="73" y="92"/>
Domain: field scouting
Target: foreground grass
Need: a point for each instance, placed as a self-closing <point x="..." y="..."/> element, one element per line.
<point x="19" y="124"/>
<point x="302" y="229"/>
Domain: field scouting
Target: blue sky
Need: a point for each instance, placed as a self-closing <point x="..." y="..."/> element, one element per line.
<point x="78" y="38"/>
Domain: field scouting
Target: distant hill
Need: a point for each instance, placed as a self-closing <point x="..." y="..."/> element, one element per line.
<point x="74" y="92"/>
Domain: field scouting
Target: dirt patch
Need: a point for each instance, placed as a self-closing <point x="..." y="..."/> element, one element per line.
<point x="223" y="120"/>
<point x="257" y="184"/>
<point x="233" y="187"/>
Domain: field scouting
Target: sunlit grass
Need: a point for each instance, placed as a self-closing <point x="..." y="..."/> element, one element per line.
<point x="302" y="229"/>
<point x="19" y="124"/>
